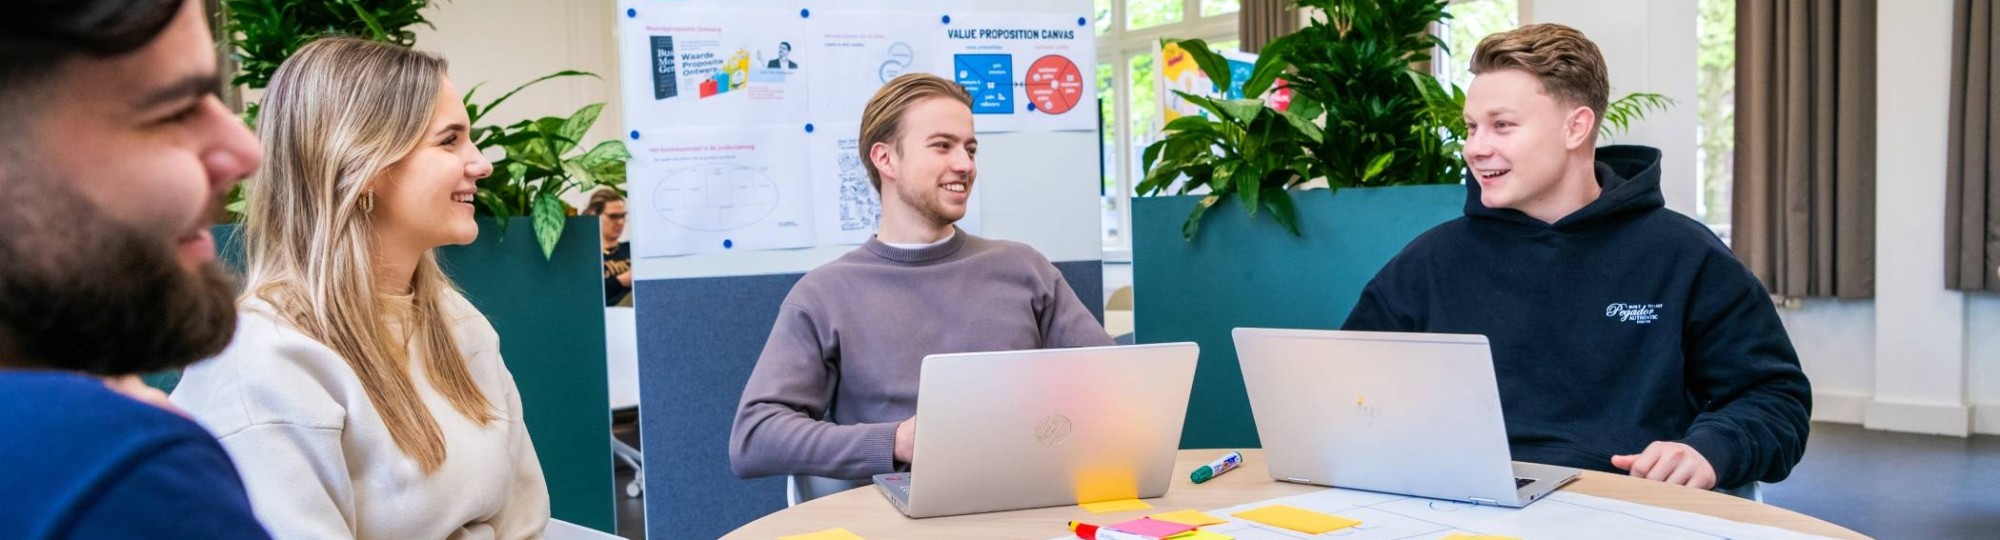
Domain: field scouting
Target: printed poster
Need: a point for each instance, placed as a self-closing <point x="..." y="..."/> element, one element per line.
<point x="1026" y="72"/>
<point x="692" y="67"/>
<point x="716" y="190"/>
<point x="857" y="52"/>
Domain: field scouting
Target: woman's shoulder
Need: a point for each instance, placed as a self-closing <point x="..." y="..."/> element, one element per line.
<point x="262" y="329"/>
<point x="271" y="373"/>
<point x="478" y="342"/>
<point x="468" y="324"/>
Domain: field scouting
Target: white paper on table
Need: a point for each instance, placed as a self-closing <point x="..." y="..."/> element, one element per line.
<point x="699" y="67"/>
<point x="1562" y="515"/>
<point x="725" y="189"/>
<point x="1033" y="72"/>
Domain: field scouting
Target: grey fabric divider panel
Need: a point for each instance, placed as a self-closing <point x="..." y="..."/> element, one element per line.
<point x="1087" y="277"/>
<point x="698" y="340"/>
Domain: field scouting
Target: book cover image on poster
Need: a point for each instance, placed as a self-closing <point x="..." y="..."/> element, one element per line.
<point x="711" y="67"/>
<point x="664" y="80"/>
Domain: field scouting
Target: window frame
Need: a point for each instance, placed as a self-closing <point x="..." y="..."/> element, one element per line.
<point x="1117" y="47"/>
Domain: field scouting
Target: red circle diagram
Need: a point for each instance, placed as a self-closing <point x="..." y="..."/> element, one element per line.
<point x="1054" y="84"/>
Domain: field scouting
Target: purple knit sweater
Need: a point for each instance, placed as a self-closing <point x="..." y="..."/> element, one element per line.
<point x="840" y="369"/>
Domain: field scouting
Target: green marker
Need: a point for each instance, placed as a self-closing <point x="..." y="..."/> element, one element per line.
<point x="1216" y="468"/>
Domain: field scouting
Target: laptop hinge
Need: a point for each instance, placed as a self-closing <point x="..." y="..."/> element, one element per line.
<point x="1483" y="500"/>
<point x="1297" y="480"/>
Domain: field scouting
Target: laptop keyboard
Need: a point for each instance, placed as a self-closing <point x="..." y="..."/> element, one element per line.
<point x="1522" y="482"/>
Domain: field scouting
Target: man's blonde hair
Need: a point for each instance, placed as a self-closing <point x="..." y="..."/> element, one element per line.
<point x="1568" y="64"/>
<point x="882" y="120"/>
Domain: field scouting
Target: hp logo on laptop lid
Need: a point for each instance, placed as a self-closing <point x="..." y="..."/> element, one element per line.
<point x="1052" y="430"/>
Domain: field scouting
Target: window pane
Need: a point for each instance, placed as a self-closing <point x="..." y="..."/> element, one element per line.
<point x="1715" y="110"/>
<point x="1470" y="22"/>
<point x="1107" y="102"/>
<point x="1103" y="16"/>
<point x="1112" y="220"/>
<point x="1144" y="13"/>
<point x="1218" y="7"/>
<point x="1143" y="104"/>
<point x="1107" y="110"/>
<point x="1144" y="107"/>
<point x="1229" y="45"/>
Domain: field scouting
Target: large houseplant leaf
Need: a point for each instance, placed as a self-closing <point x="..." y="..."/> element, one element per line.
<point x="548" y="216"/>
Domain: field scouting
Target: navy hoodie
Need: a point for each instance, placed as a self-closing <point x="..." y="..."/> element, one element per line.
<point x="78" y="461"/>
<point x="1621" y="324"/>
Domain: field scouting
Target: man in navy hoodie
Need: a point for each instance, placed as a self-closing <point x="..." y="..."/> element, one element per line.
<point x="115" y="156"/>
<point x="1626" y="337"/>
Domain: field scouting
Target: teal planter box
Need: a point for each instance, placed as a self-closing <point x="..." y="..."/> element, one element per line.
<point x="1245" y="271"/>
<point x="550" y="317"/>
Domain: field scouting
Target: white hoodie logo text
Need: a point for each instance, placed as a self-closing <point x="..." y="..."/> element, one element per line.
<point x="1634" y="313"/>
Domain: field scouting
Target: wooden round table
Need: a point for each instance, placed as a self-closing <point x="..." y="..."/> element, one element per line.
<point x="865" y="512"/>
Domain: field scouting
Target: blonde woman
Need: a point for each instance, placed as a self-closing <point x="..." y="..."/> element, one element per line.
<point x="363" y="397"/>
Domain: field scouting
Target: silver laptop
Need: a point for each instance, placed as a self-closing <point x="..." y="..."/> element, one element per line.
<point x="1029" y="429"/>
<point x="1405" y="413"/>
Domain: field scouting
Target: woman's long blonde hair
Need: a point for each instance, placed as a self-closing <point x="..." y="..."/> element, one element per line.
<point x="335" y="116"/>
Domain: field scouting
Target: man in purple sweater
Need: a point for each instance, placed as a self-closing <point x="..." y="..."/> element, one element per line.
<point x="834" y="392"/>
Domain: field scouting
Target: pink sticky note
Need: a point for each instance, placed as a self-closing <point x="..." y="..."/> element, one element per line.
<point x="1152" y="528"/>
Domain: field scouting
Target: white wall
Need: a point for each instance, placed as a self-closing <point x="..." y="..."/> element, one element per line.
<point x="1920" y="326"/>
<point x="1836" y="344"/>
<point x="1650" y="47"/>
<point x="1982" y="354"/>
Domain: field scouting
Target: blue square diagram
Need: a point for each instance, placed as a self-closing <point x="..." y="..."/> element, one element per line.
<point x="990" y="80"/>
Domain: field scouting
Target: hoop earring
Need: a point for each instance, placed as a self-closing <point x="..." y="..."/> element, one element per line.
<point x="368" y="202"/>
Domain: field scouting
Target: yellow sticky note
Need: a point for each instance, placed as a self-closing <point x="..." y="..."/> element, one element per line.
<point x="1463" y="536"/>
<point x="1297" y="519"/>
<point x="1199" y="534"/>
<point x="835" y="533"/>
<point x="1115" y="506"/>
<point x="1192" y="518"/>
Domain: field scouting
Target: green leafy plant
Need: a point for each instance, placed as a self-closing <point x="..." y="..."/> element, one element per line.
<point x="1622" y="112"/>
<point x="262" y="34"/>
<point x="1355" y="119"/>
<point x="1359" y="116"/>
<point x="544" y="160"/>
<point x="266" y="32"/>
<point x="1240" y="147"/>
<point x="1353" y="61"/>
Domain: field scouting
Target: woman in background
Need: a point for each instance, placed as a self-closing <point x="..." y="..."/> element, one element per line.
<point x="363" y="396"/>
<point x="609" y="207"/>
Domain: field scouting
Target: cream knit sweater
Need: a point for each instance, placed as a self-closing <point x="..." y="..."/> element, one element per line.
<point x="318" y="461"/>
